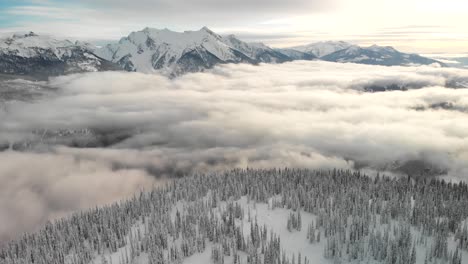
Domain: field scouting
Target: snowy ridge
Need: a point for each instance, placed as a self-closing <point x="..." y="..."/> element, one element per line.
<point x="176" y="53"/>
<point x="31" y="45"/>
<point x="45" y="56"/>
<point x="343" y="52"/>
<point x="378" y="55"/>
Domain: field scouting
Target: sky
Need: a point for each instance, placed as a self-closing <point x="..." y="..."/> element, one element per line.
<point x="424" y="26"/>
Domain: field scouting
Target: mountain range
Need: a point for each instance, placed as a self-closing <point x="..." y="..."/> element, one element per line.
<point x="34" y="55"/>
<point x="176" y="53"/>
<point x="377" y="55"/>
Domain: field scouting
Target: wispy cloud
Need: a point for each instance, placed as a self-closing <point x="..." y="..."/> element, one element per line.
<point x="47" y="12"/>
<point x="408" y="25"/>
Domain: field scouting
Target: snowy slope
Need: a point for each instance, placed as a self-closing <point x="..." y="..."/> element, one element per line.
<point x="294" y="243"/>
<point x="44" y="55"/>
<point x="264" y="217"/>
<point x="175" y="53"/>
<point x="323" y="48"/>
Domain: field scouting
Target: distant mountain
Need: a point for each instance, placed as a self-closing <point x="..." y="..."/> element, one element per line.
<point x="31" y="54"/>
<point x="456" y="61"/>
<point x="175" y="53"/>
<point x="323" y="48"/>
<point x="378" y="55"/>
<point x="340" y="51"/>
<point x="463" y="62"/>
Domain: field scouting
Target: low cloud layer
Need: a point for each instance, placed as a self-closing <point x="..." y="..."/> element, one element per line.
<point x="94" y="138"/>
<point x="37" y="187"/>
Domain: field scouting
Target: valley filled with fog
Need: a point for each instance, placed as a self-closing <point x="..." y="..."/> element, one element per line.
<point x="82" y="140"/>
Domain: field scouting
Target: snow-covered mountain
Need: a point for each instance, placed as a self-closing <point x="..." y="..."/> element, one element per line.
<point x="340" y="51"/>
<point x="175" y="53"/>
<point x="31" y="54"/>
<point x="378" y="55"/>
<point x="323" y="48"/>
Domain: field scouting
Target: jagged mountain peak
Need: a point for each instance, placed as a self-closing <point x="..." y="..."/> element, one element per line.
<point x="174" y="53"/>
<point x="170" y="37"/>
<point x="207" y="30"/>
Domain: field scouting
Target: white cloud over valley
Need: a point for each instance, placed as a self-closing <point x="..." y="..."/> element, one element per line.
<point x="99" y="137"/>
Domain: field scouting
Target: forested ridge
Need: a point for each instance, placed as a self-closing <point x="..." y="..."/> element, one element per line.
<point x="358" y="219"/>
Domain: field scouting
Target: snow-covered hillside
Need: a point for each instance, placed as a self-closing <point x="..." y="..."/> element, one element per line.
<point x="175" y="53"/>
<point x="265" y="216"/>
<point x="44" y="56"/>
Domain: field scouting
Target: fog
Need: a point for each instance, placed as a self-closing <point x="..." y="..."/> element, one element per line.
<point x="83" y="140"/>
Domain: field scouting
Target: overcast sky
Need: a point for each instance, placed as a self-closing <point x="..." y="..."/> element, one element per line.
<point x="423" y="26"/>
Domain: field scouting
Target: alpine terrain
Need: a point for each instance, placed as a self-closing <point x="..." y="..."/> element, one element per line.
<point x="42" y="56"/>
<point x="175" y="53"/>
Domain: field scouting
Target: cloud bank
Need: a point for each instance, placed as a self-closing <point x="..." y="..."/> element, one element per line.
<point x="93" y="138"/>
<point x="40" y="187"/>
